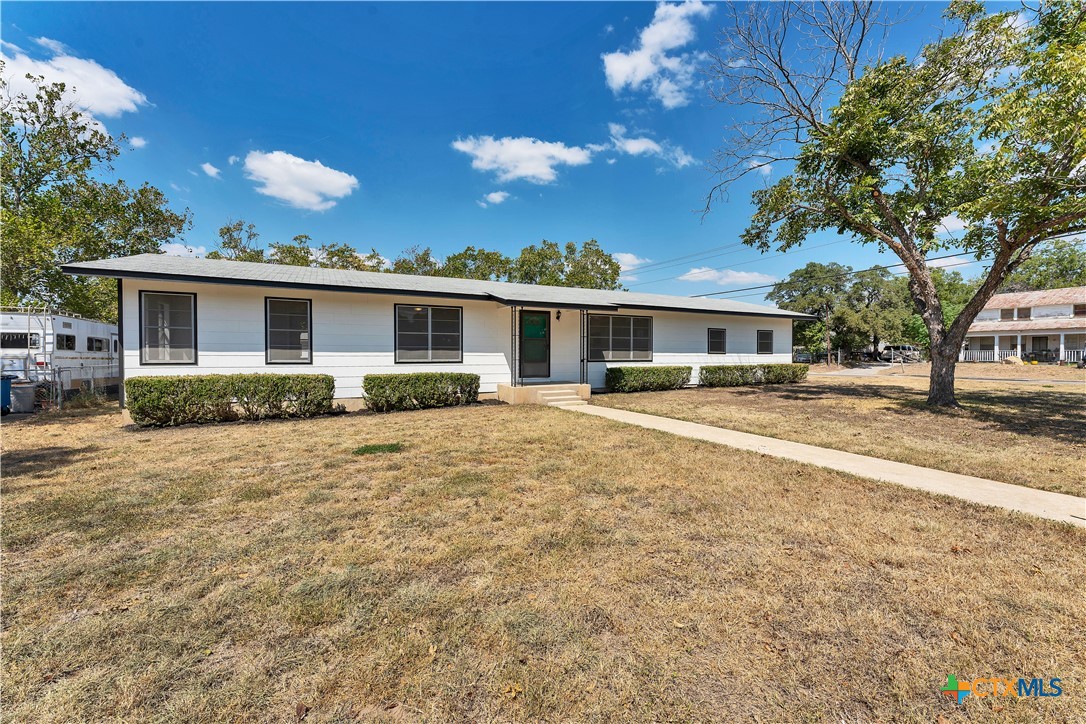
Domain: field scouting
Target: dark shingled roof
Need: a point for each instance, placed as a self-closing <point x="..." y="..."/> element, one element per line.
<point x="216" y="271"/>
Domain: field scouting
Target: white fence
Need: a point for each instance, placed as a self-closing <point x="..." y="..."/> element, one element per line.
<point x="989" y="355"/>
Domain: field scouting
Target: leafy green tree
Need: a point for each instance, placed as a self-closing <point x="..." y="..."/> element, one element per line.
<point x="588" y="267"/>
<point x="417" y="261"/>
<point x="817" y="289"/>
<point x="870" y="311"/>
<point x="1054" y="265"/>
<point x="954" y="293"/>
<point x="238" y="241"/>
<point x="472" y="263"/>
<point x="327" y="256"/>
<point x="990" y="127"/>
<point x="56" y="207"/>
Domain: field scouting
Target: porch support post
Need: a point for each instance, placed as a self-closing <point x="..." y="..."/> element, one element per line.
<point x="1062" y="338"/>
<point x="1019" y="345"/>
<point x="996" y="353"/>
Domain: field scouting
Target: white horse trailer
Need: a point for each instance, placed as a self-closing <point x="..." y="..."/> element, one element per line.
<point x="58" y="350"/>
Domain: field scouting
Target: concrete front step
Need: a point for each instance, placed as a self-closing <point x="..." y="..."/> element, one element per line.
<point x="545" y="394"/>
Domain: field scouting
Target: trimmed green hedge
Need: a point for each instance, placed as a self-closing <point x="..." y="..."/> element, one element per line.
<point x="738" y="375"/>
<point x="643" y="379"/>
<point x="164" y="401"/>
<point x="418" y="390"/>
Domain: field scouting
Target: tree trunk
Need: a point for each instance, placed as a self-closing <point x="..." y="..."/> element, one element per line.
<point x="827" y="327"/>
<point x="941" y="382"/>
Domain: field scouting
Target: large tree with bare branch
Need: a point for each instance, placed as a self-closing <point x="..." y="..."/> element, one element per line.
<point x="987" y="124"/>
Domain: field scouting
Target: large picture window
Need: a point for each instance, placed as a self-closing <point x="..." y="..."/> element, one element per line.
<point x="428" y="334"/>
<point x="615" y="337"/>
<point x="288" y="337"/>
<point x="718" y="341"/>
<point x="765" y="341"/>
<point x="167" y="328"/>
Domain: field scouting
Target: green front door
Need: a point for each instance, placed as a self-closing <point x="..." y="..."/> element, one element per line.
<point x="535" y="344"/>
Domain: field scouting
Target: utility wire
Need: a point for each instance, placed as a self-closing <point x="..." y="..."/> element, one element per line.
<point x="893" y="274"/>
<point x="743" y="263"/>
<point x="835" y="275"/>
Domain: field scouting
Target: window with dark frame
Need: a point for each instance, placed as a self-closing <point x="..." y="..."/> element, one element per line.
<point x="65" y="342"/>
<point x="288" y="338"/>
<point x="167" y="328"/>
<point x="1025" y="312"/>
<point x="19" y="340"/>
<point x="765" y="341"/>
<point x="1080" y="310"/>
<point x="97" y="344"/>
<point x="1006" y="314"/>
<point x="429" y="334"/>
<point x="718" y="341"/>
<point x="619" y="337"/>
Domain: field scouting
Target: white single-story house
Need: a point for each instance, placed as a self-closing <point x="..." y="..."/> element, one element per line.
<point x="1048" y="325"/>
<point x="183" y="315"/>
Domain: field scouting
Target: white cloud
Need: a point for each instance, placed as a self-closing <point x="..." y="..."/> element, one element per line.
<point x="521" y="158"/>
<point x="951" y="225"/>
<point x="175" y="249"/>
<point x="626" y="262"/>
<point x="297" y="182"/>
<point x="53" y="46"/>
<point x="232" y="160"/>
<point x="210" y="170"/>
<point x="761" y="166"/>
<point x="10" y="47"/>
<point x="669" y="77"/>
<point x="725" y="277"/>
<point x="611" y="161"/>
<point x="950" y="261"/>
<point x="138" y="141"/>
<point x="97" y="91"/>
<point x="493" y="198"/>
<point x="644" y="146"/>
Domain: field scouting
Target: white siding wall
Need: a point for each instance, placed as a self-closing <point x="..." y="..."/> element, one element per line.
<point x="680" y="338"/>
<point x="1054" y="310"/>
<point x="353" y="336"/>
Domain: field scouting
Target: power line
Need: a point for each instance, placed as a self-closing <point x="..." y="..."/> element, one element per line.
<point x="893" y="274"/>
<point x="848" y="274"/>
<point x="743" y="263"/>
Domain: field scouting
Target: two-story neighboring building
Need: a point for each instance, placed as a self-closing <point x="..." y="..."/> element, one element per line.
<point x="1048" y="326"/>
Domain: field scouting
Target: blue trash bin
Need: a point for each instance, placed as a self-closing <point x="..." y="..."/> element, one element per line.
<point x="5" y="393"/>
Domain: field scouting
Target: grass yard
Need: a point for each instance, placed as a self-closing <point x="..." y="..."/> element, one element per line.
<point x="1027" y="435"/>
<point x="990" y="370"/>
<point x="507" y="563"/>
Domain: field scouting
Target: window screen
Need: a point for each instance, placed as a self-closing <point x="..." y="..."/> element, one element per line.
<point x="718" y="341"/>
<point x="65" y="342"/>
<point x="613" y="337"/>
<point x="1025" y="312"/>
<point x="168" y="328"/>
<point x="289" y="338"/>
<point x="765" y="341"/>
<point x="428" y="334"/>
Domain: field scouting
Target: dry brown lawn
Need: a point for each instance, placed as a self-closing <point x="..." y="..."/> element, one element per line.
<point x="509" y="564"/>
<point x="990" y="370"/>
<point x="1031" y="435"/>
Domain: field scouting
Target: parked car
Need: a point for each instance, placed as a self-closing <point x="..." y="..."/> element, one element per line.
<point x="896" y="352"/>
<point x="802" y="357"/>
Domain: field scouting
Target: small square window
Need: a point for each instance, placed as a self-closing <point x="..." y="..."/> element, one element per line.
<point x="1006" y="314"/>
<point x="1025" y="312"/>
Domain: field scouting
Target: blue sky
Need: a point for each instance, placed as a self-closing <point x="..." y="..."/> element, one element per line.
<point x="389" y="125"/>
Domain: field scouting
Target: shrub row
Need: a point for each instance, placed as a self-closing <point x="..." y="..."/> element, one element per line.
<point x="163" y="401"/>
<point x="736" y="375"/>
<point x="419" y="390"/>
<point x="642" y="379"/>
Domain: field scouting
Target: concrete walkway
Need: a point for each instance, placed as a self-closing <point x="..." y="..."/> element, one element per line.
<point x="1053" y="506"/>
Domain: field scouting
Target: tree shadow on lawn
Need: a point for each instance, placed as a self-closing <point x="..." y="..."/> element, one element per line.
<point x="30" y="463"/>
<point x="1053" y="415"/>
